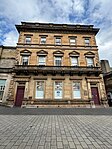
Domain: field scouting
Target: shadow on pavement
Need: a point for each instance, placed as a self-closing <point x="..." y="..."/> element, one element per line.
<point x="55" y="111"/>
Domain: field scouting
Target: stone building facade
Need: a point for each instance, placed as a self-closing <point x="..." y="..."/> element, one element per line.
<point x="107" y="75"/>
<point x="57" y="64"/>
<point x="7" y="62"/>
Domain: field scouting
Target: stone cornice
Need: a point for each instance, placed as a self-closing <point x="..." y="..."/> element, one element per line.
<point x="58" y="28"/>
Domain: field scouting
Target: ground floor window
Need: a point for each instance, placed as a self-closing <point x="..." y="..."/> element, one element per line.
<point x="39" y="90"/>
<point x="58" y="92"/>
<point x="76" y="90"/>
<point x="2" y="87"/>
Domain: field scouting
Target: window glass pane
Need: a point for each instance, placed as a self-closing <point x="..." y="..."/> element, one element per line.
<point x="76" y="90"/>
<point x="72" y="41"/>
<point x="40" y="89"/>
<point x="2" y="88"/>
<point x="58" y="61"/>
<point x="2" y="85"/>
<point x="28" y="39"/>
<point x="87" y="41"/>
<point x="58" y="89"/>
<point x="24" y="60"/>
<point x="74" y="61"/>
<point x="43" y="40"/>
<point x="90" y="62"/>
<point x="58" y="40"/>
<point x="41" y="60"/>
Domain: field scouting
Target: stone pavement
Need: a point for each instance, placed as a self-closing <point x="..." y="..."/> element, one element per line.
<point x="55" y="131"/>
<point x="55" y="111"/>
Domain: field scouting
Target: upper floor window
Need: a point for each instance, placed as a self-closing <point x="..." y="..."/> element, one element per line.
<point x="58" y="61"/>
<point x="90" y="61"/>
<point x="58" y="40"/>
<point x="42" y="60"/>
<point x="72" y="40"/>
<point x="87" y="41"/>
<point x="74" y="61"/>
<point x="42" y="57"/>
<point x="25" y="60"/>
<point x="28" y="39"/>
<point x="43" y="40"/>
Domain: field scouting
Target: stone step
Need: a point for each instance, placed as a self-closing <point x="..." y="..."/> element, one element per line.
<point x="55" y="102"/>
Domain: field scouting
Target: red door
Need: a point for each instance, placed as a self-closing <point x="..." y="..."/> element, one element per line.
<point x="19" y="96"/>
<point x="95" y="95"/>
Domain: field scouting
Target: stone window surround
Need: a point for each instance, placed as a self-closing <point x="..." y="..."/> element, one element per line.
<point x="7" y="83"/>
<point x="72" y="37"/>
<point x="43" y="89"/>
<point x="24" y="57"/>
<point x="74" y="54"/>
<point x="56" y="58"/>
<point x="89" y="39"/>
<point x="25" y="53"/>
<point x="41" y="53"/>
<point x="43" y="36"/>
<point x="58" y="54"/>
<point x="76" y="64"/>
<point x="40" y="62"/>
<point x="54" y="89"/>
<point x="28" y="35"/>
<point x="93" y="65"/>
<point x="58" y="37"/>
<point x="90" y="55"/>
<point x="76" y="81"/>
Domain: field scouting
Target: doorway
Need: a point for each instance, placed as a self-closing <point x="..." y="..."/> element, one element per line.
<point x="19" y="96"/>
<point x="95" y="95"/>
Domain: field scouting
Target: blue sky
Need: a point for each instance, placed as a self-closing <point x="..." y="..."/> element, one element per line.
<point x="96" y="12"/>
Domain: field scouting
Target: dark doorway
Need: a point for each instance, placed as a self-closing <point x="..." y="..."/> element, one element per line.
<point x="95" y="95"/>
<point x="19" y="96"/>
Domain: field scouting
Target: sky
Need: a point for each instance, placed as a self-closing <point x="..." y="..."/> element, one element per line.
<point x="88" y="12"/>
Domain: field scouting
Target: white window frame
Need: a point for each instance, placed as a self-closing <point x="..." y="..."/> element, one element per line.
<point x="2" y="88"/>
<point x="23" y="56"/>
<point x="58" y="58"/>
<point x="43" y="40"/>
<point x="56" y="97"/>
<point x="40" y="62"/>
<point x="90" y="64"/>
<point x="58" y="40"/>
<point x="87" y="41"/>
<point x="72" y="41"/>
<point x="28" y="39"/>
<point x="36" y="91"/>
<point x="72" y="63"/>
<point x="75" y="91"/>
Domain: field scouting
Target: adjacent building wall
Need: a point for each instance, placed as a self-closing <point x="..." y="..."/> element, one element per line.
<point x="7" y="62"/>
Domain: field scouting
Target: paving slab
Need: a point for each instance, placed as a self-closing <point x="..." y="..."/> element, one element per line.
<point x="43" y="131"/>
<point x="55" y="111"/>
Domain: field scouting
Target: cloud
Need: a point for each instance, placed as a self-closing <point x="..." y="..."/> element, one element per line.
<point x="10" y="38"/>
<point x="97" y="12"/>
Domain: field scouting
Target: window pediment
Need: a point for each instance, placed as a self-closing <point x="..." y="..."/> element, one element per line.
<point x="42" y="53"/>
<point x="58" y="53"/>
<point x="89" y="54"/>
<point x="25" y="52"/>
<point x="74" y="53"/>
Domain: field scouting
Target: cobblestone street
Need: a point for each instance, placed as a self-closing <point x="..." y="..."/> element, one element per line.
<point x="55" y="131"/>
